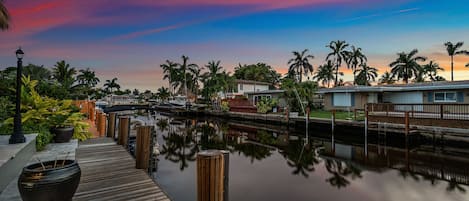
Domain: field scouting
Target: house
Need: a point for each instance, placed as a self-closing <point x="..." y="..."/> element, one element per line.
<point x="255" y="96"/>
<point x="245" y="86"/>
<point x="356" y="97"/>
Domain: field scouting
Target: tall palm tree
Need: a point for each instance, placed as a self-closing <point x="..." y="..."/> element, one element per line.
<point x="430" y="70"/>
<point x="366" y="74"/>
<point x="338" y="54"/>
<point x="183" y="69"/>
<point x="299" y="65"/>
<point x="453" y="50"/>
<point x="170" y="73"/>
<point x="325" y="74"/>
<point x="354" y="59"/>
<point x="386" y="78"/>
<point x="37" y="72"/>
<point x="111" y="84"/>
<point x="406" y="66"/>
<point x="4" y="17"/>
<point x="64" y="74"/>
<point x="88" y="78"/>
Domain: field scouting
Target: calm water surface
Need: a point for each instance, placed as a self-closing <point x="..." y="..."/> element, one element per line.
<point x="276" y="164"/>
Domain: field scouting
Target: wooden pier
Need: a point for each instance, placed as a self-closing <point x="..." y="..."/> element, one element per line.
<point x="108" y="173"/>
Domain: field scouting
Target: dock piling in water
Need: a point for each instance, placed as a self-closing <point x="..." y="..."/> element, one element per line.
<point x="210" y="176"/>
<point x="142" y="150"/>
<point x="124" y="129"/>
<point x="111" y="125"/>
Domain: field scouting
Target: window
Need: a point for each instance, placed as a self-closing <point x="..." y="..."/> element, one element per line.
<point x="240" y="87"/>
<point x="445" y="97"/>
<point x="342" y="99"/>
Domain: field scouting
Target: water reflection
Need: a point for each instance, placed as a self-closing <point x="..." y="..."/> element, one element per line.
<point x="337" y="162"/>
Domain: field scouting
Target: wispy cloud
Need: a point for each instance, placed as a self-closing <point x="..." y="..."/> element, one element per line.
<point x="385" y="14"/>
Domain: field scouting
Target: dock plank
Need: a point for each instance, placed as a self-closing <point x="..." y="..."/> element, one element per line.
<point x="108" y="173"/>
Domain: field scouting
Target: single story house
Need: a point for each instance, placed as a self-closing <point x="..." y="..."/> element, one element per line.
<point x="356" y="97"/>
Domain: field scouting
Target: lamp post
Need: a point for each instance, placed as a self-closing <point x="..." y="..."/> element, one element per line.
<point x="18" y="136"/>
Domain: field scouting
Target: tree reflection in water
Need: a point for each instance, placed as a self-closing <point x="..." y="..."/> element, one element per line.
<point x="179" y="147"/>
<point x="340" y="171"/>
<point x="301" y="157"/>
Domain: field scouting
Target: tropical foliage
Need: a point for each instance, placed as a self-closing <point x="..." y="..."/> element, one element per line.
<point x="355" y="58"/>
<point x="325" y="74"/>
<point x="338" y="55"/>
<point x="265" y="105"/>
<point x="109" y="85"/>
<point x="406" y="66"/>
<point x="366" y="74"/>
<point x="300" y="65"/>
<point x="453" y="50"/>
<point x="386" y="78"/>
<point x="261" y="72"/>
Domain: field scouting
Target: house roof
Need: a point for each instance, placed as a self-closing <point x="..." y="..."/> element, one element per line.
<point x="277" y="91"/>
<point x="423" y="86"/>
<point x="252" y="82"/>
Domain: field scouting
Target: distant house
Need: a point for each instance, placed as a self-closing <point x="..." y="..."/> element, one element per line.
<point x="246" y="86"/>
<point x="254" y="97"/>
<point x="356" y="97"/>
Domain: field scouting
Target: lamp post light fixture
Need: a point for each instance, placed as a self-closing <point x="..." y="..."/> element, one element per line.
<point x="17" y="136"/>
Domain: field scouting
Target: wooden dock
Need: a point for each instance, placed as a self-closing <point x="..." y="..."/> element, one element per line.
<point x="108" y="173"/>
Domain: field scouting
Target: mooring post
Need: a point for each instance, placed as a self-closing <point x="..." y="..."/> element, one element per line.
<point x="441" y="111"/>
<point x="102" y="124"/>
<point x="123" y="135"/>
<point x="142" y="150"/>
<point x="111" y="125"/>
<point x="226" y="174"/>
<point x="97" y="115"/>
<point x="210" y="171"/>
<point x="333" y="120"/>
<point x="92" y="111"/>
<point x="406" y="121"/>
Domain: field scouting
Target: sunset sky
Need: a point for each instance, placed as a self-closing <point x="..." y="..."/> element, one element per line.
<point x="130" y="39"/>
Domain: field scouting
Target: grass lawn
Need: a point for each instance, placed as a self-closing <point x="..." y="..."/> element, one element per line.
<point x="338" y="115"/>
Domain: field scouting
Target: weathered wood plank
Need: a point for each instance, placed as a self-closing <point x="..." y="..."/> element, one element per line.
<point x="108" y="173"/>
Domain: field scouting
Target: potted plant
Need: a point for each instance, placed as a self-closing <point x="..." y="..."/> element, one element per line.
<point x="61" y="128"/>
<point x="49" y="181"/>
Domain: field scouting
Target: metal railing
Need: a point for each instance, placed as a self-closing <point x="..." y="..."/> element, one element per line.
<point x="420" y="111"/>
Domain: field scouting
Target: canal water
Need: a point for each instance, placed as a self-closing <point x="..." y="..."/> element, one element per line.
<point x="269" y="162"/>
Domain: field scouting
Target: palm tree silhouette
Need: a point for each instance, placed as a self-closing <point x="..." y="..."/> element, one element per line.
<point x="301" y="158"/>
<point x="325" y="73"/>
<point x="88" y="78"/>
<point x="430" y="70"/>
<point x="366" y="74"/>
<point x="453" y="50"/>
<point x="339" y="54"/>
<point x="183" y="70"/>
<point x="406" y="66"/>
<point x="169" y="71"/>
<point x="354" y="59"/>
<point x="340" y="171"/>
<point x="299" y="65"/>
<point x="111" y="84"/>
<point x="386" y="78"/>
<point x="64" y="74"/>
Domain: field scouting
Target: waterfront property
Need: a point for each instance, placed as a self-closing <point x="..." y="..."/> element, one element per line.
<point x="246" y="86"/>
<point x="256" y="96"/>
<point x="356" y="97"/>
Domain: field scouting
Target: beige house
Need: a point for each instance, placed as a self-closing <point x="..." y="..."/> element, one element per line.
<point x="356" y="97"/>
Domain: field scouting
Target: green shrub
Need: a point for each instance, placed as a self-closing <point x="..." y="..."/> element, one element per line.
<point x="225" y="106"/>
<point x="265" y="105"/>
<point x="43" y="138"/>
<point x="6" y="107"/>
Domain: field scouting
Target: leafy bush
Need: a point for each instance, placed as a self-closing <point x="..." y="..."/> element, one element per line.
<point x="225" y="106"/>
<point x="265" y="105"/>
<point x="5" y="108"/>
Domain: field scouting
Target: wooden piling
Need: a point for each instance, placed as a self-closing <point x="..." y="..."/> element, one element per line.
<point x="142" y="151"/>
<point x="96" y="123"/>
<point x="102" y="124"/>
<point x="210" y="170"/>
<point x="111" y="125"/>
<point x="333" y="120"/>
<point x="92" y="112"/>
<point x="406" y="121"/>
<point x="124" y="128"/>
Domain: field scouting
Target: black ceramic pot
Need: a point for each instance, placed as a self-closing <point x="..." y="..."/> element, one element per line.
<point x="62" y="135"/>
<point x="51" y="184"/>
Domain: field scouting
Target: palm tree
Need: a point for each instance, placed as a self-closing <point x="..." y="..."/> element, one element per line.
<point x="163" y="93"/>
<point x="64" y="74"/>
<point x="406" y="66"/>
<point x="339" y="54"/>
<point x="430" y="70"/>
<point x="183" y="67"/>
<point x="452" y="50"/>
<point x="111" y="84"/>
<point x="4" y="17"/>
<point x="366" y="74"/>
<point x="194" y="79"/>
<point x="37" y="72"/>
<point x="386" y="78"/>
<point x="325" y="74"/>
<point x="300" y="65"/>
<point x="170" y="73"/>
<point x="88" y="78"/>
<point x="354" y="59"/>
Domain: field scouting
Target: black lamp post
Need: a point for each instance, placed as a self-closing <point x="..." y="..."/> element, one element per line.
<point x="18" y="136"/>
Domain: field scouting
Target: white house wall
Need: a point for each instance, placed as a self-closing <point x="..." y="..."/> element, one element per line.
<point x="404" y="98"/>
<point x="250" y="88"/>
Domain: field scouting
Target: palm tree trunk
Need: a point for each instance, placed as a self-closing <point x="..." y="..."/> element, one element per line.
<point x="452" y="78"/>
<point x="336" y="75"/>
